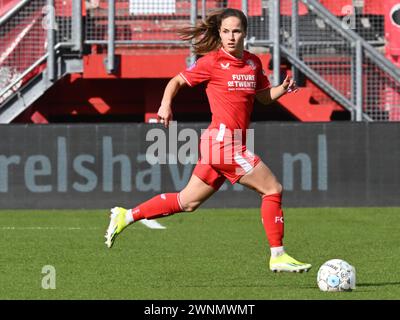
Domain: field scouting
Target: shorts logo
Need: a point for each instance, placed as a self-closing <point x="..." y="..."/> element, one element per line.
<point x="278" y="219"/>
<point x="225" y="66"/>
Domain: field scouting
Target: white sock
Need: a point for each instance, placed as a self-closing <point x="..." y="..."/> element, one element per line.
<point x="128" y="216"/>
<point x="277" y="251"/>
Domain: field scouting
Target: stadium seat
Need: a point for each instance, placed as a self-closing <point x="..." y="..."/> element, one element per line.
<point x="6" y="5"/>
<point x="254" y="7"/>
<point x="370" y="27"/>
<point x="286" y="8"/>
<point x="373" y="7"/>
<point x="337" y="7"/>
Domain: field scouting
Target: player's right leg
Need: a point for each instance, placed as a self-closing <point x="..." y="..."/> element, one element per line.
<point x="286" y="263"/>
<point x="262" y="180"/>
<point x="162" y="205"/>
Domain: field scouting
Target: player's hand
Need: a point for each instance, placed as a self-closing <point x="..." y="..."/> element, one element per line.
<point x="165" y="114"/>
<point x="289" y="85"/>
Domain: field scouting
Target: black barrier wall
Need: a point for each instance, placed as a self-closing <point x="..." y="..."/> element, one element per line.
<point x="100" y="166"/>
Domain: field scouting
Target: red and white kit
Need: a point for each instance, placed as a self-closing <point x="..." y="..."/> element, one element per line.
<point x="231" y="88"/>
<point x="232" y="84"/>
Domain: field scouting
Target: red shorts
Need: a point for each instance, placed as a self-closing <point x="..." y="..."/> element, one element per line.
<point x="221" y="160"/>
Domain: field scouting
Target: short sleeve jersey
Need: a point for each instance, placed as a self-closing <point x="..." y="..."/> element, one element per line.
<point x="232" y="84"/>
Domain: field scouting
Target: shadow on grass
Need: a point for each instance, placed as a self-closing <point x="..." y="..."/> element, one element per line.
<point x="365" y="285"/>
<point x="378" y="284"/>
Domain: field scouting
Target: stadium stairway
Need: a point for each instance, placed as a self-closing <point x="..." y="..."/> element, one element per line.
<point x="300" y="105"/>
<point x="134" y="93"/>
<point x="25" y="101"/>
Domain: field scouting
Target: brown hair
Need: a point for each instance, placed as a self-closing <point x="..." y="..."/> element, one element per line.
<point x="206" y="34"/>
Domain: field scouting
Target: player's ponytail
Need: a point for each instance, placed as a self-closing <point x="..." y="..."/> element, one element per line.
<point x="206" y="34"/>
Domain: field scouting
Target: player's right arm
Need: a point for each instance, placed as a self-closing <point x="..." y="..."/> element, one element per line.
<point x="198" y="72"/>
<point x="172" y="88"/>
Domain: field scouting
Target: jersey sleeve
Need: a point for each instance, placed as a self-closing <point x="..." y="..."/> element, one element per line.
<point x="262" y="79"/>
<point x="198" y="72"/>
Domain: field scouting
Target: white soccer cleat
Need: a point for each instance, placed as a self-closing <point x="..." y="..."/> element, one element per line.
<point x="286" y="263"/>
<point x="116" y="225"/>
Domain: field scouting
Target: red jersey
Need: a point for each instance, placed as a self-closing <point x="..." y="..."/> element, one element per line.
<point x="232" y="84"/>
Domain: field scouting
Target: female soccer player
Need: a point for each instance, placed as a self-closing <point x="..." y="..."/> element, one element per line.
<point x="234" y="78"/>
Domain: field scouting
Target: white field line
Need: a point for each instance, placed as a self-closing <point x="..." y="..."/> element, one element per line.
<point x="152" y="224"/>
<point x="47" y="228"/>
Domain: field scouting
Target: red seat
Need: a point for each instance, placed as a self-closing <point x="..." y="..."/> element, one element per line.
<point x="6" y="5"/>
<point x="286" y="8"/>
<point x="373" y="7"/>
<point x="254" y="7"/>
<point x="337" y="7"/>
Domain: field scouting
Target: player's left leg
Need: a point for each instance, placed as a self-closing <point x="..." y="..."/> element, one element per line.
<point x="262" y="180"/>
<point x="162" y="205"/>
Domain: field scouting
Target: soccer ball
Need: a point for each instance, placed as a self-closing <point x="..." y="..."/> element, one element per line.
<point x="336" y="275"/>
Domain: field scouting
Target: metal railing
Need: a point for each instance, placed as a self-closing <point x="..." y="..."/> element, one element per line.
<point x="22" y="42"/>
<point x="342" y="61"/>
<point x="29" y="35"/>
<point x="39" y="43"/>
<point x="336" y="58"/>
<point x="346" y="66"/>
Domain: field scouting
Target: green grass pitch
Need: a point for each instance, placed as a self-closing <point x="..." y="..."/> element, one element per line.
<point x="208" y="254"/>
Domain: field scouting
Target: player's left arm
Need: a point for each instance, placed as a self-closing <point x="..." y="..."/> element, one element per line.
<point x="269" y="95"/>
